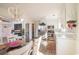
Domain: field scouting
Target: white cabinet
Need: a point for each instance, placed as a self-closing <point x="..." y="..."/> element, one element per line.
<point x="70" y="11"/>
<point x="5" y="31"/>
<point x="65" y="43"/>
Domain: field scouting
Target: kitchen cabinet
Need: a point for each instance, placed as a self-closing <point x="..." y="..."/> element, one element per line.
<point x="70" y="12"/>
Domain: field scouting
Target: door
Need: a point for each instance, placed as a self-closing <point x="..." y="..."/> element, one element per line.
<point x="32" y="31"/>
<point x="27" y="32"/>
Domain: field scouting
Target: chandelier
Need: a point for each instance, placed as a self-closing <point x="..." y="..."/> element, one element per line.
<point x="14" y="13"/>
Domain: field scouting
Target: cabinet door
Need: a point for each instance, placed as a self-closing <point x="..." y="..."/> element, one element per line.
<point x="70" y="12"/>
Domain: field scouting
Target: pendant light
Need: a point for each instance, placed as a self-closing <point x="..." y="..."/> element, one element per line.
<point x="42" y="24"/>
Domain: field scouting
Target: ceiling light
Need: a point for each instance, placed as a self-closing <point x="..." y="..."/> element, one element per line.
<point x="22" y="20"/>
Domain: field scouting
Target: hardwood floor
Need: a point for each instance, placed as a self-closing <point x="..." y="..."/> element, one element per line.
<point x="49" y="49"/>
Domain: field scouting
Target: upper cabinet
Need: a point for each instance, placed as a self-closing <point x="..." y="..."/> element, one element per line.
<point x="70" y="12"/>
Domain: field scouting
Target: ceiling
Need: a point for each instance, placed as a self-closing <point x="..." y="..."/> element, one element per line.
<point x="33" y="10"/>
